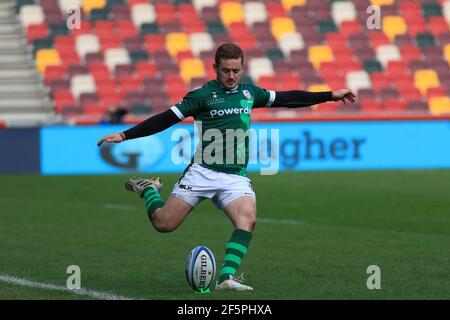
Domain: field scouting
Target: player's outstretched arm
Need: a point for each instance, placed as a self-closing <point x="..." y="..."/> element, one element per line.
<point x="147" y="127"/>
<point x="343" y="95"/>
<point x="299" y="98"/>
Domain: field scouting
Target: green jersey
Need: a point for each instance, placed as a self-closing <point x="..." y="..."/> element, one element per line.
<point x="222" y="117"/>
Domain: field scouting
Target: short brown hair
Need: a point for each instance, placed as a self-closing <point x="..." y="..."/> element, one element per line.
<point x="228" y="51"/>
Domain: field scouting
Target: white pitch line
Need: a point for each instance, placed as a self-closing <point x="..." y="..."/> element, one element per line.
<point x="119" y="207"/>
<point x="278" y="221"/>
<point x="267" y="220"/>
<point x="82" y="292"/>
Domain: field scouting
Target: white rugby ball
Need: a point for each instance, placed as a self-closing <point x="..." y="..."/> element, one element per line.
<point x="200" y="268"/>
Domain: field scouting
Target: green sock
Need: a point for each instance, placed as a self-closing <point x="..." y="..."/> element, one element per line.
<point x="234" y="253"/>
<point x="153" y="201"/>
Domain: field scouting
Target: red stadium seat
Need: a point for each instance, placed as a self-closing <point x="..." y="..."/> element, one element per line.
<point x="436" y="92"/>
<point x="275" y="10"/>
<point x="36" y="31"/>
<point x="165" y="12"/>
<point x="98" y="108"/>
<point x="54" y="73"/>
<point x="371" y="106"/>
<point x="63" y="98"/>
<point x="379" y="80"/>
<point x="145" y="69"/>
<point x="394" y="105"/>
<point x="154" y="43"/>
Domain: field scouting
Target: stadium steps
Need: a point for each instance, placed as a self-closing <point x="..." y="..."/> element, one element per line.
<point x="22" y="94"/>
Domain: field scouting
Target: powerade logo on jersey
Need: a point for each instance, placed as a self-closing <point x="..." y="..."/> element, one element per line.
<point x="229" y="111"/>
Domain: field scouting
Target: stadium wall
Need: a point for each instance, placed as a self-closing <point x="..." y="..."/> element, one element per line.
<point x="274" y="147"/>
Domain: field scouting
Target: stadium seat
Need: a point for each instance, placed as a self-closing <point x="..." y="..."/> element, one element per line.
<point x="45" y="58"/>
<point x="36" y="31"/>
<point x="439" y="105"/>
<point x="291" y="41"/>
<point x="371" y="106"/>
<point x="143" y="13"/>
<point x="231" y="12"/>
<point x="281" y="26"/>
<point x="356" y="80"/>
<point x="87" y="43"/>
<point x="275" y="10"/>
<point x="89" y="5"/>
<point x="83" y="83"/>
<point x="64" y="5"/>
<point x="436" y="92"/>
<point x="201" y="41"/>
<point x="62" y="99"/>
<point x="425" y="79"/>
<point x="177" y="42"/>
<point x="393" y="26"/>
<point x="343" y="11"/>
<point x="200" y="4"/>
<point x="447" y="53"/>
<point x="116" y="56"/>
<point x="394" y="105"/>
<point x="191" y="68"/>
<point x="258" y="67"/>
<point x="289" y="4"/>
<point x="31" y="14"/>
<point x="165" y="13"/>
<point x="431" y="9"/>
<point x="386" y="53"/>
<point x="425" y="39"/>
<point x="254" y="12"/>
<point x="53" y="73"/>
<point x="382" y="2"/>
<point x="446" y="11"/>
<point x="318" y="54"/>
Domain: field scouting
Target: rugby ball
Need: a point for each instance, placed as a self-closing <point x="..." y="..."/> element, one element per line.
<point x="200" y="268"/>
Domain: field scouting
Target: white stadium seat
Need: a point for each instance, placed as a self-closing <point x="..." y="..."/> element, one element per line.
<point x="343" y="11"/>
<point x="82" y="83"/>
<point x="201" y="41"/>
<point x="386" y="53"/>
<point x="115" y="56"/>
<point x="86" y="43"/>
<point x="254" y="12"/>
<point x="290" y="42"/>
<point x="31" y="14"/>
<point x="200" y="4"/>
<point x="258" y="67"/>
<point x="446" y="11"/>
<point x="66" y="4"/>
<point x="143" y="13"/>
<point x="358" y="80"/>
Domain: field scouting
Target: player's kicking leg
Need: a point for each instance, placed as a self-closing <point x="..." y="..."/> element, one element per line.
<point x="164" y="216"/>
<point x="242" y="213"/>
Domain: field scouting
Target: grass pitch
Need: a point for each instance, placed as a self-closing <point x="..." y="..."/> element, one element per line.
<point x="316" y="235"/>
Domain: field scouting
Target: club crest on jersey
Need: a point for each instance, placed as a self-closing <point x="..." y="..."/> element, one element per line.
<point x="247" y="94"/>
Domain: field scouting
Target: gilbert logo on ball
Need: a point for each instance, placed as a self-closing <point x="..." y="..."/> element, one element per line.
<point x="200" y="269"/>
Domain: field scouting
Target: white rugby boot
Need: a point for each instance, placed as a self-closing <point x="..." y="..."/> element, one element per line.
<point x="139" y="185"/>
<point x="234" y="284"/>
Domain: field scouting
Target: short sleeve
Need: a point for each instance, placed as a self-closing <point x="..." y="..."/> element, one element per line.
<point x="191" y="105"/>
<point x="263" y="98"/>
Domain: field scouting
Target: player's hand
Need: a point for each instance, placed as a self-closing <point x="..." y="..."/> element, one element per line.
<point x="111" y="138"/>
<point x="344" y="95"/>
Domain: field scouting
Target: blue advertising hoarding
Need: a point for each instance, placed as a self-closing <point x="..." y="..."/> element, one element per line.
<point x="274" y="147"/>
<point x="19" y="150"/>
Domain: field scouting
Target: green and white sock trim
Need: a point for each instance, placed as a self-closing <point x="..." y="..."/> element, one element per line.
<point x="153" y="201"/>
<point x="235" y="251"/>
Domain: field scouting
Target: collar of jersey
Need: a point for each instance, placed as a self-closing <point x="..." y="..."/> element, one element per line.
<point x="234" y="90"/>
